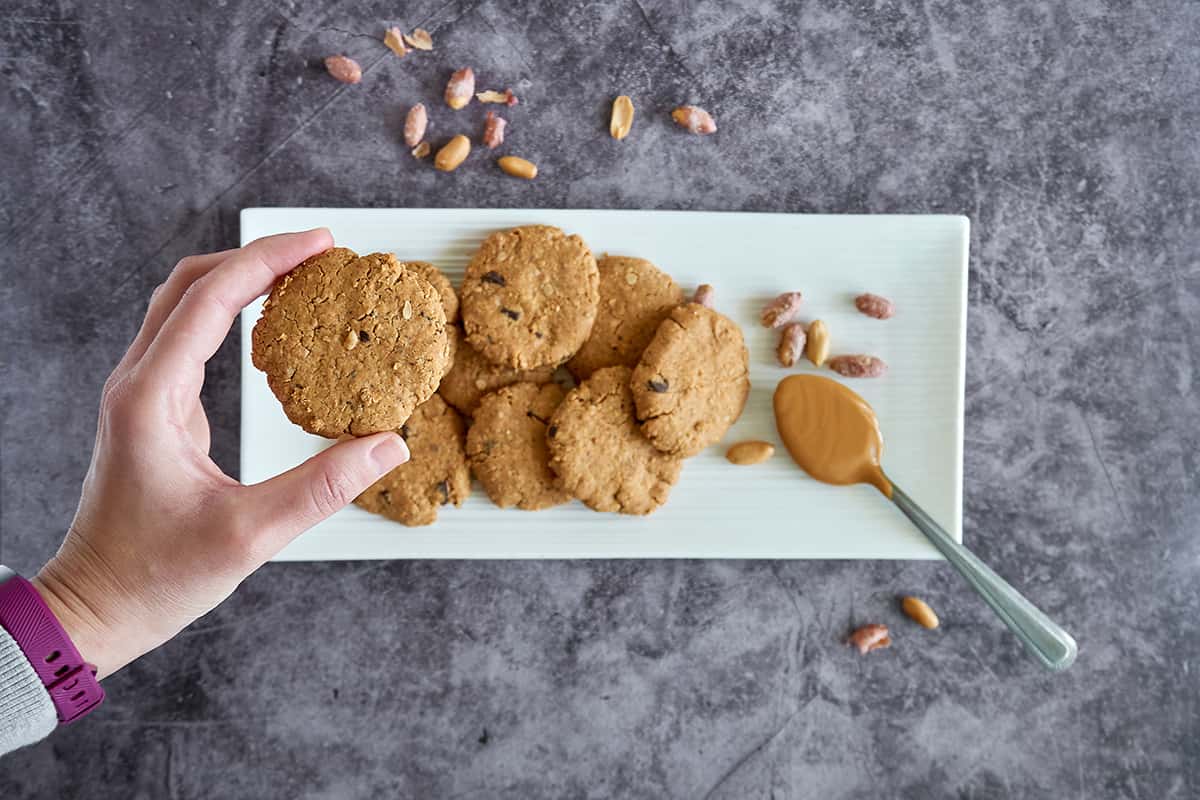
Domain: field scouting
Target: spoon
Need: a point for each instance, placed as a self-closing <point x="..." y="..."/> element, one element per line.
<point x="833" y="434"/>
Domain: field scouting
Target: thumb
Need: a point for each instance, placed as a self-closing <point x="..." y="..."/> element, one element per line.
<point x="289" y="504"/>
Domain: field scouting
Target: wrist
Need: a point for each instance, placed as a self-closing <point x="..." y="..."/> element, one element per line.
<point x="80" y="623"/>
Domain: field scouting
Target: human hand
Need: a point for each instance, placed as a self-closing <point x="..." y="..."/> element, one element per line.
<point x="161" y="535"/>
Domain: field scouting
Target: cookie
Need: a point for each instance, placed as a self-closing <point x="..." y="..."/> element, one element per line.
<point x="436" y="473"/>
<point x="692" y="381"/>
<point x="529" y="296"/>
<point x="635" y="297"/>
<point x="351" y="344"/>
<point x="472" y="376"/>
<point x="506" y="446"/>
<point x="440" y="282"/>
<point x="599" y="453"/>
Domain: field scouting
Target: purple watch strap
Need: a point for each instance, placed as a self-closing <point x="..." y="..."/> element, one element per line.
<point x="70" y="681"/>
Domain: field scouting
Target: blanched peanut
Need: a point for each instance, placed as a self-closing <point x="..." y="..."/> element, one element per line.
<point x="518" y="167"/>
<point x="452" y="154"/>
<point x="622" y="118"/>
<point x="751" y="452"/>
<point x="817" y="348"/>
<point x="920" y="612"/>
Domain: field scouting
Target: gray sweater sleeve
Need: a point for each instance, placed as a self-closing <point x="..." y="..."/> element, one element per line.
<point x="26" y="711"/>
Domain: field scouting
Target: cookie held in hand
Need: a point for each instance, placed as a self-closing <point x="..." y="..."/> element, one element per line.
<point x="351" y="344"/>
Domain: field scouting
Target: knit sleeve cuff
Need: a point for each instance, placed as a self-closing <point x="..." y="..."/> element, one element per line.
<point x="27" y="713"/>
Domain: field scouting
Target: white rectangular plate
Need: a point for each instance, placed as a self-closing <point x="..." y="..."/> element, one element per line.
<point x="717" y="510"/>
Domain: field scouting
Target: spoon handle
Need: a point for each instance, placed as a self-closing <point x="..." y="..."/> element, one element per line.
<point x="1052" y="646"/>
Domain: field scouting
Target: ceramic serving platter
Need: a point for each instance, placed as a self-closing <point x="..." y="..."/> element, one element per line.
<point x="717" y="510"/>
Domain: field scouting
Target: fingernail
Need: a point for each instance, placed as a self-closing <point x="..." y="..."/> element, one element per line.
<point x="390" y="453"/>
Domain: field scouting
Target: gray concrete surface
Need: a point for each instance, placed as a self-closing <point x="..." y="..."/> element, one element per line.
<point x="132" y="133"/>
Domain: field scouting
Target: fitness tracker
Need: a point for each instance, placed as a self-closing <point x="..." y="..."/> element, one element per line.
<point x="70" y="681"/>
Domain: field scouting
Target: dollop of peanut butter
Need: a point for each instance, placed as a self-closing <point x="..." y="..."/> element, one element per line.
<point x="830" y="431"/>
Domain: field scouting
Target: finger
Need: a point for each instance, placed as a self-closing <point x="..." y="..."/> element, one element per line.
<point x="285" y="506"/>
<point x="165" y="298"/>
<point x="199" y="322"/>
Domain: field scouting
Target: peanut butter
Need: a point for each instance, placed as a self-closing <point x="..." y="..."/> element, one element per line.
<point x="830" y="431"/>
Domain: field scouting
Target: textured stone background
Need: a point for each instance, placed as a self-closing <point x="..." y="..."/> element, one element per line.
<point x="132" y="133"/>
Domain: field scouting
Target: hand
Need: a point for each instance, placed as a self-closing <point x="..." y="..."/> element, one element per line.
<point x="161" y="535"/>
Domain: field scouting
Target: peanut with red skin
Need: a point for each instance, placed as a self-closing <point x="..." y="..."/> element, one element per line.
<point x="870" y="637"/>
<point x="791" y="344"/>
<point x="460" y="88"/>
<point x="493" y="130"/>
<point x="704" y="295"/>
<point x="344" y="69"/>
<point x="414" y="125"/>
<point x="694" y="119"/>
<point x="858" y="366"/>
<point x="782" y="310"/>
<point x="874" y="305"/>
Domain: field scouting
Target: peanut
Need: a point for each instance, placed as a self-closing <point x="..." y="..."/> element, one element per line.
<point x="782" y="310"/>
<point x="704" y="295"/>
<point x="518" y="167"/>
<point x="421" y="150"/>
<point x="394" y="40"/>
<point x="420" y="39"/>
<point x="414" y="125"/>
<point x="622" y="118"/>
<point x="695" y="119"/>
<point x="752" y="452"/>
<point x="817" y="349"/>
<point x="919" y="611"/>
<point x="493" y="130"/>
<point x="343" y="68"/>
<point x="506" y="97"/>
<point x="460" y="88"/>
<point x="875" y="306"/>
<point x="452" y="154"/>
<point x="858" y="366"/>
<point x="791" y="344"/>
<point x="870" y="637"/>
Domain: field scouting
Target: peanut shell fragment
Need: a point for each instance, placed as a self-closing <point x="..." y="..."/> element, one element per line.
<point x="419" y="40"/>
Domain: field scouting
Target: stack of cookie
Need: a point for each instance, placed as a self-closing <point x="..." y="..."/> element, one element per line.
<point x="581" y="378"/>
